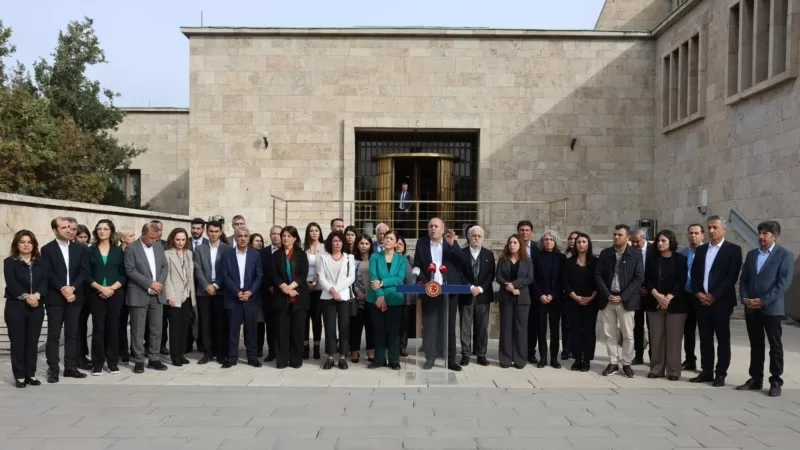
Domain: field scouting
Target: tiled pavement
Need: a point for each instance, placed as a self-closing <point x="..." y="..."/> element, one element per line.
<point x="205" y="407"/>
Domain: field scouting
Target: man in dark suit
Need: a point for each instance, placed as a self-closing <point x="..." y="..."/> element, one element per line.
<point x="67" y="265"/>
<point x="525" y="233"/>
<point x="242" y="275"/>
<point x="473" y="309"/>
<point x="618" y="279"/>
<point x="198" y="228"/>
<point x="267" y="289"/>
<point x="639" y="240"/>
<point x="766" y="275"/>
<point x="402" y="215"/>
<point x="695" y="235"/>
<point x="439" y="314"/>
<point x="208" y="279"/>
<point x="714" y="273"/>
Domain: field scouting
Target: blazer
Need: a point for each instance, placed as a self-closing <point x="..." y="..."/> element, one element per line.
<point x="722" y="277"/>
<point x="280" y="300"/>
<point x="232" y="279"/>
<point x="548" y="276"/>
<point x="457" y="262"/>
<point x="139" y="276"/>
<point x="669" y="281"/>
<point x="685" y="251"/>
<point x="486" y="274"/>
<point x="23" y="279"/>
<point x="522" y="282"/>
<point x="173" y="288"/>
<point x="53" y="260"/>
<point x="391" y="277"/>
<point x="202" y="267"/>
<point x="584" y="286"/>
<point x="769" y="285"/>
<point x="631" y="277"/>
<point x="266" y="282"/>
<point x="112" y="271"/>
<point x="408" y="202"/>
<point x="341" y="281"/>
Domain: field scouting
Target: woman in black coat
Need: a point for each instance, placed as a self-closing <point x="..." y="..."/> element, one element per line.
<point x="290" y="298"/>
<point x="514" y="274"/>
<point x="666" y="306"/>
<point x="547" y="294"/>
<point x="581" y="302"/>
<point x="26" y="280"/>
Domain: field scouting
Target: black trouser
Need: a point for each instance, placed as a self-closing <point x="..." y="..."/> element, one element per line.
<point x="514" y="327"/>
<point x="409" y="322"/>
<point x="583" y="332"/>
<point x="359" y="322"/>
<point x="387" y="332"/>
<point x="105" y="328"/>
<point x="438" y="327"/>
<point x="639" y="319"/>
<point x="713" y="323"/>
<point x="242" y="314"/>
<point x="83" y="329"/>
<point x="289" y="336"/>
<point x="124" y="315"/>
<point x="549" y="314"/>
<point x="758" y="325"/>
<point x="689" y="334"/>
<point x="533" y="327"/>
<point x="180" y="319"/>
<point x="269" y="326"/>
<point x="24" y="328"/>
<point x="566" y="321"/>
<point x="165" y="335"/>
<point x="213" y="325"/>
<point x="336" y="316"/>
<point x="64" y="316"/>
<point x="314" y="322"/>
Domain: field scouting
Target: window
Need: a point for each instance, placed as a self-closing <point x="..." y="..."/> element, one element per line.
<point x="681" y="93"/>
<point x="758" y="47"/>
<point x="129" y="183"/>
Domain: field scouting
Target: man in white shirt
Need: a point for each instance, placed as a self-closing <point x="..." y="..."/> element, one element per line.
<point x="403" y="212"/>
<point x="266" y="291"/>
<point x="380" y="230"/>
<point x="210" y="311"/>
<point x="639" y="241"/>
<point x="473" y="309"/>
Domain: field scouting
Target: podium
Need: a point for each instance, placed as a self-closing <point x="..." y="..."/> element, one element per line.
<point x="416" y="372"/>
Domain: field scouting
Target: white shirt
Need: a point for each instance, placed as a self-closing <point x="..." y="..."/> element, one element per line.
<point x="711" y="255"/>
<point x="436" y="258"/>
<point x="528" y="249"/>
<point x="65" y="253"/>
<point x="644" y="254"/>
<point x="196" y="243"/>
<point x="274" y="249"/>
<point x="241" y="259"/>
<point x="151" y="259"/>
<point x="214" y="249"/>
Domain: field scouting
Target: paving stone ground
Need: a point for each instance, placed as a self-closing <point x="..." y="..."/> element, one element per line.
<point x="205" y="407"/>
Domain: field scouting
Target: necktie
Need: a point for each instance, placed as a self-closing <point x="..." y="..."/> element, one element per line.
<point x="689" y="275"/>
<point x="402" y="200"/>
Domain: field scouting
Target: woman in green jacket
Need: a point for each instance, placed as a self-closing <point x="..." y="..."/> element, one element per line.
<point x="387" y="269"/>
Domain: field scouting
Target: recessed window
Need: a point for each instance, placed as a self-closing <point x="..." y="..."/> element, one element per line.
<point x="682" y="71"/>
<point x="129" y="183"/>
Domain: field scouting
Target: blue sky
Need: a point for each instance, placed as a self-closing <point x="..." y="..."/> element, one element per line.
<point x="149" y="57"/>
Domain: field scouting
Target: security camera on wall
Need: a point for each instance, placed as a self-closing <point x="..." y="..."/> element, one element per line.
<point x="265" y="137"/>
<point x="702" y="208"/>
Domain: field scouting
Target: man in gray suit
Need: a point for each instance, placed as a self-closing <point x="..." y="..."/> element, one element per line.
<point x="146" y="268"/>
<point x="766" y="275"/>
<point x="208" y="278"/>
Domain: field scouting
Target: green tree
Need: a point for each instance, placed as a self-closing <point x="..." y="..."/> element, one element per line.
<point x="56" y="129"/>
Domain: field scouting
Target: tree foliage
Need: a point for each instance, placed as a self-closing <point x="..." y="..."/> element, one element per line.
<point x="56" y="128"/>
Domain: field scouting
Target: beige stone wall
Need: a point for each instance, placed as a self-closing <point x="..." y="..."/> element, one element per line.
<point x="641" y="15"/>
<point x="165" y="165"/>
<point x="34" y="213"/>
<point x="745" y="155"/>
<point x="528" y="93"/>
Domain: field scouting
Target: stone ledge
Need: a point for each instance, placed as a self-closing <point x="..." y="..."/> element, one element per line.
<point x="156" y="110"/>
<point x="39" y="202"/>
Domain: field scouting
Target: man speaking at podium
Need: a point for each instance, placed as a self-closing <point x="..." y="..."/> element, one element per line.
<point x="439" y="313"/>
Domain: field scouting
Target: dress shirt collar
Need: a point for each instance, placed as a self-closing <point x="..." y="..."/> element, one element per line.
<point x="718" y="245"/>
<point x="241" y="252"/>
<point x="769" y="250"/>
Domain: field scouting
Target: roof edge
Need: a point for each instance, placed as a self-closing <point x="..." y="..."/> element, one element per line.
<point x="154" y="110"/>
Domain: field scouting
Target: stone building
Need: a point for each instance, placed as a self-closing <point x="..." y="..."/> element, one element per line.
<point x="669" y="109"/>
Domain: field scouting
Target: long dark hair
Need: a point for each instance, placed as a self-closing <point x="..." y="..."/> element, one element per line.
<point x="113" y="240"/>
<point x="357" y="252"/>
<point x="347" y="247"/>
<point x="589" y="252"/>
<point x="522" y="254"/>
<point x="405" y="246"/>
<point x="307" y="238"/>
<point x="15" y="244"/>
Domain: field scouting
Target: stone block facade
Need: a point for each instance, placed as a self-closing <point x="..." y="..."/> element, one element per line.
<point x="641" y="15"/>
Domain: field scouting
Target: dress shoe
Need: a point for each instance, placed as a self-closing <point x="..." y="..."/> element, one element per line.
<point x="718" y="382"/>
<point x="774" y="389"/>
<point x="453" y="366"/>
<point x="673" y="378"/>
<point x="85" y="364"/>
<point x="532" y="359"/>
<point x="20" y="384"/>
<point x="565" y="356"/>
<point x="355" y="358"/>
<point x="751" y="385"/>
<point x="576" y="366"/>
<point x="254" y="362"/>
<point x="504" y="366"/>
<point x="156" y="365"/>
<point x="464" y="361"/>
<point x="125" y="360"/>
<point x="184" y="360"/>
<point x="376" y="365"/>
<point x="113" y="370"/>
<point x="328" y="364"/>
<point x="403" y="352"/>
<point x="651" y="375"/>
<point x="226" y="365"/>
<point x="519" y="366"/>
<point x="32" y="381"/>
<point x="428" y="365"/>
<point x="270" y="357"/>
<point x="483" y="361"/>
<point x="204" y="360"/>
<point x="637" y="361"/>
<point x="222" y="359"/>
<point x="73" y="373"/>
<point x="164" y="351"/>
<point x="343" y="365"/>
<point x="586" y="366"/>
<point x="138" y="367"/>
<point x="555" y="364"/>
<point x="395" y="366"/>
<point x="702" y="377"/>
<point x="541" y="364"/>
<point x="52" y="376"/>
<point x="610" y="369"/>
<point x="296" y="365"/>
<point x="628" y="371"/>
<point x="177" y="363"/>
<point x="689" y="365"/>
<point x="281" y="366"/>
